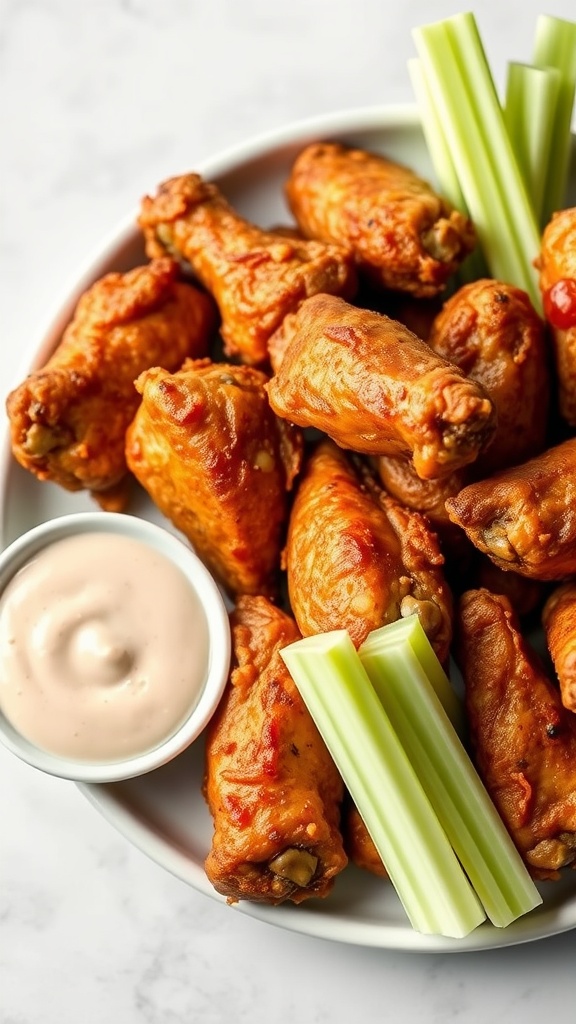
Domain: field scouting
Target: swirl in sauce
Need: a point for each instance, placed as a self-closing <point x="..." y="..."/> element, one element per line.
<point x="103" y="648"/>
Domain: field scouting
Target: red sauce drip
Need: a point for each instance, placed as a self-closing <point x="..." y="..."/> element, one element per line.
<point x="560" y="304"/>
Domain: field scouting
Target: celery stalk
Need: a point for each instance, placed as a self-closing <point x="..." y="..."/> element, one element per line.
<point x="555" y="46"/>
<point x="420" y="861"/>
<point x="410" y="631"/>
<point x="463" y="92"/>
<point x="438" y="148"/>
<point x="463" y="806"/>
<point x="529" y="113"/>
<point x="474" y="266"/>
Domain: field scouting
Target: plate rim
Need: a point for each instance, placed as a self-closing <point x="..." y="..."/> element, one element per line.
<point x="372" y="934"/>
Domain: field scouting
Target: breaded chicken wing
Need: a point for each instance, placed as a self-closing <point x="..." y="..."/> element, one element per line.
<point x="524" y="740"/>
<point x="375" y="388"/>
<point x="404" y="236"/>
<point x="559" y="621"/>
<point x="218" y="463"/>
<point x="255" y="276"/>
<point x="357" y="560"/>
<point x="524" y="518"/>
<point x="271" y="785"/>
<point x="68" y="419"/>
<point x="493" y="333"/>
<point x="558" y="286"/>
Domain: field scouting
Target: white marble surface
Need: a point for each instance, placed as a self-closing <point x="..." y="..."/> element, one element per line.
<point x="100" y="100"/>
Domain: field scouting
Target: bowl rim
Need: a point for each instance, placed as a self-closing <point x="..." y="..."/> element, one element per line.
<point x="176" y="550"/>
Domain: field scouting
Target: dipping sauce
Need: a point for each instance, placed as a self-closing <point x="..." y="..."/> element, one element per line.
<point x="104" y="648"/>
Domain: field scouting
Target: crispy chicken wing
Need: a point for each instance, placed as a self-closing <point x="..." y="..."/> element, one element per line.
<point x="217" y="462"/>
<point x="524" y="740"/>
<point x="558" y="286"/>
<point x="524" y="518"/>
<point x="68" y="420"/>
<point x="357" y="560"/>
<point x="493" y="333"/>
<point x="375" y="388"/>
<point x="255" y="276"/>
<point x="404" y="236"/>
<point x="559" y="620"/>
<point x="271" y="785"/>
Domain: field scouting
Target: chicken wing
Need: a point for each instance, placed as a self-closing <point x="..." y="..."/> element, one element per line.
<point x="524" y="518"/>
<point x="255" y="276"/>
<point x="493" y="333"/>
<point x="357" y="560"/>
<point x="375" y="388"/>
<point x="404" y="236"/>
<point x="271" y="785"/>
<point x="559" y="620"/>
<point x="558" y="286"/>
<point x="68" y="420"/>
<point x="524" y="740"/>
<point x="218" y="463"/>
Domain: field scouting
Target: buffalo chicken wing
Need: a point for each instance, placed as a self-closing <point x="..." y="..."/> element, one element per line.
<point x="558" y="285"/>
<point x="213" y="457"/>
<point x="357" y="560"/>
<point x="271" y="785"/>
<point x="68" y="419"/>
<point x="404" y="236"/>
<point x="375" y="388"/>
<point x="523" y="739"/>
<point x="492" y="332"/>
<point x="524" y="518"/>
<point x="559" y="620"/>
<point x="255" y="276"/>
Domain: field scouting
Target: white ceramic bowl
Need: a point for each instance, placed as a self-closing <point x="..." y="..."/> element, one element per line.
<point x="215" y="671"/>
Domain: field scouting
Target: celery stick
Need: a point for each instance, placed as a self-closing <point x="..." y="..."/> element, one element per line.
<point x="529" y="113"/>
<point x="463" y="806"/>
<point x="555" y="46"/>
<point x="438" y="148"/>
<point x="474" y="266"/>
<point x="463" y="92"/>
<point x="421" y="863"/>
<point x="410" y="631"/>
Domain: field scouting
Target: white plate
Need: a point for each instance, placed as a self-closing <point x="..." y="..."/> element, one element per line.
<point x="163" y="813"/>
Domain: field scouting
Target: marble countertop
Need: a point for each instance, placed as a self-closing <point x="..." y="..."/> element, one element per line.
<point x="100" y="101"/>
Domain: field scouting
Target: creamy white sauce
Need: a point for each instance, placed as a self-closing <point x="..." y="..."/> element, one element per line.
<point x="103" y="648"/>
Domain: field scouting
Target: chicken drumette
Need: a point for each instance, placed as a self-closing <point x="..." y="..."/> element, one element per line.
<point x="256" y="276"/>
